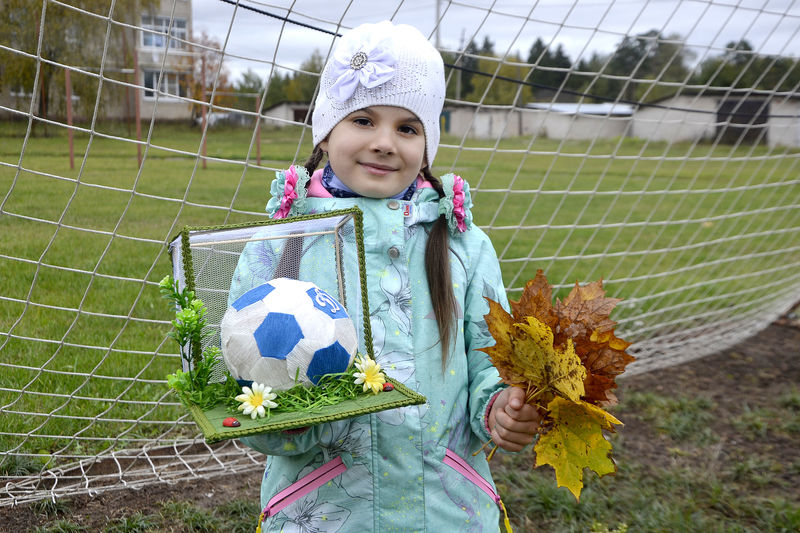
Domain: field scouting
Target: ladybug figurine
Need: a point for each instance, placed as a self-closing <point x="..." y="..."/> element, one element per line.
<point x="231" y="422"/>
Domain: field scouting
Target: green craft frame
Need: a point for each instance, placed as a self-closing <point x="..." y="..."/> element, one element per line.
<point x="210" y="420"/>
<point x="358" y="218"/>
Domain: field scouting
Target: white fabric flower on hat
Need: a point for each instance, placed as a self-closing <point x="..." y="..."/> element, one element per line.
<point x="368" y="62"/>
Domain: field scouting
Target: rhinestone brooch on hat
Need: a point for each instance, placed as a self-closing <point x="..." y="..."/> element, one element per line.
<point x="358" y="61"/>
<point x="367" y="65"/>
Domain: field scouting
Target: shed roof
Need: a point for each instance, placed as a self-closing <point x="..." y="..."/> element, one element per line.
<point x="605" y="109"/>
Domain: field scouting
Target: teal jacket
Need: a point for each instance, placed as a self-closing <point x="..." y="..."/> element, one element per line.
<point x="412" y="468"/>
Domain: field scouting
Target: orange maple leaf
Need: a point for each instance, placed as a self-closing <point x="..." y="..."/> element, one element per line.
<point x="583" y="317"/>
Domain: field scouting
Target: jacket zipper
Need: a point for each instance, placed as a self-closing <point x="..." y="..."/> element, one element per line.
<point x="452" y="460"/>
<point x="308" y="483"/>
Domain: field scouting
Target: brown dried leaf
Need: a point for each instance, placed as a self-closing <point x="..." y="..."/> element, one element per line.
<point x="586" y="309"/>
<point x="581" y="320"/>
<point x="583" y="317"/>
<point x="524" y="355"/>
<point x="536" y="301"/>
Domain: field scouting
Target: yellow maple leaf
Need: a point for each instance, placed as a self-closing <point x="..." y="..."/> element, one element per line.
<point x="575" y="441"/>
<point x="501" y="326"/>
<point x="545" y="366"/>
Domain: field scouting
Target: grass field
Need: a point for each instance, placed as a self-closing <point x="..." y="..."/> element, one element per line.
<point x="712" y="446"/>
<point x="678" y="231"/>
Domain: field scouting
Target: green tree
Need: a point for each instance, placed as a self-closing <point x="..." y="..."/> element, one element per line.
<point x="547" y="73"/>
<point x="252" y="86"/>
<point x="780" y="74"/>
<point x="491" y="90"/>
<point x="209" y="74"/>
<point x="740" y="67"/>
<point x="487" y="48"/>
<point x="643" y="61"/>
<point x="738" y="53"/>
<point x="248" y="88"/>
<point x="460" y="81"/>
<point x="70" y="38"/>
<point x="592" y="79"/>
<point x="488" y="88"/>
<point x="302" y="86"/>
<point x="276" y="91"/>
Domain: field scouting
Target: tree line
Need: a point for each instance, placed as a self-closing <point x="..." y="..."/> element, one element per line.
<point x="643" y="68"/>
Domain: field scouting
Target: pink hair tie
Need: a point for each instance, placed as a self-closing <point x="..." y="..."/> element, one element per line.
<point x="456" y="203"/>
<point x="288" y="191"/>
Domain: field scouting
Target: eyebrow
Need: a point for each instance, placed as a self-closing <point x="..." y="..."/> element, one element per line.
<point x="369" y="111"/>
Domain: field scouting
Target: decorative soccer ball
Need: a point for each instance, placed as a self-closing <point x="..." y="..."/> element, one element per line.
<point x="286" y="332"/>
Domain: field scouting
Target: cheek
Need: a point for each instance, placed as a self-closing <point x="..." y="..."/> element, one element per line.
<point x="416" y="151"/>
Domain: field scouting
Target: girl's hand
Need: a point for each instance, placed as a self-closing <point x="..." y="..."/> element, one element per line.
<point x="512" y="422"/>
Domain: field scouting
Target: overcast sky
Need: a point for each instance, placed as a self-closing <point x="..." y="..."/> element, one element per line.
<point x="580" y="26"/>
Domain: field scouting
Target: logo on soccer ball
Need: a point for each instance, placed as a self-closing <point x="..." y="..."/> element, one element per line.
<point x="287" y="331"/>
<point x="323" y="301"/>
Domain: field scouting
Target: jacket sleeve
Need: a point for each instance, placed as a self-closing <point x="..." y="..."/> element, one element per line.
<point x="485" y="281"/>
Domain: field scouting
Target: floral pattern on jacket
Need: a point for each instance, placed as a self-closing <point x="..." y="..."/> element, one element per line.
<point x="396" y="479"/>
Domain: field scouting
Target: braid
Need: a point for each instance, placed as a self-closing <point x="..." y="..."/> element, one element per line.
<point x="314" y="160"/>
<point x="437" y="268"/>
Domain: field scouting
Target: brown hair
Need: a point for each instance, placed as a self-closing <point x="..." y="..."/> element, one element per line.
<point x="437" y="263"/>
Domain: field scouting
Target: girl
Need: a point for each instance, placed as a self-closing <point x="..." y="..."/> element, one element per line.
<point x="428" y="272"/>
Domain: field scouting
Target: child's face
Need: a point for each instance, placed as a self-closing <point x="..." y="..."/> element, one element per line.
<point x="377" y="151"/>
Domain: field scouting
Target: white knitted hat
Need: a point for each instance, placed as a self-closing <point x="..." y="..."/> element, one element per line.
<point x="382" y="64"/>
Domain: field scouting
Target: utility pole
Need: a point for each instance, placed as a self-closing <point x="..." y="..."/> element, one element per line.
<point x="438" y="14"/>
<point x="458" y="64"/>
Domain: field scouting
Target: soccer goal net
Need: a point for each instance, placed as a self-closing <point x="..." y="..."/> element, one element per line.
<point x="654" y="145"/>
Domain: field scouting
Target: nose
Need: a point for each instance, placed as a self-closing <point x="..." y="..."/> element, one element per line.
<point x="383" y="141"/>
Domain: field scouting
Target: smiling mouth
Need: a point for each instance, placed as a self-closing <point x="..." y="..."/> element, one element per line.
<point x="376" y="168"/>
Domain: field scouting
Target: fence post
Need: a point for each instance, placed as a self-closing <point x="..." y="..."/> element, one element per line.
<point x="137" y="97"/>
<point x="258" y="130"/>
<point x="68" y="83"/>
<point x="204" y="133"/>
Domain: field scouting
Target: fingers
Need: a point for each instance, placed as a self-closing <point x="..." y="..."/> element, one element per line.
<point x="508" y="427"/>
<point x="513" y="431"/>
<point x="511" y="441"/>
<point x="516" y="397"/>
<point x="515" y="422"/>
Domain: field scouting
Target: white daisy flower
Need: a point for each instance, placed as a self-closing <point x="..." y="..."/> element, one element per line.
<point x="255" y="399"/>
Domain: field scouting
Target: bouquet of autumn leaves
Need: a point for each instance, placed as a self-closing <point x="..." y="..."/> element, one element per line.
<point x="566" y="357"/>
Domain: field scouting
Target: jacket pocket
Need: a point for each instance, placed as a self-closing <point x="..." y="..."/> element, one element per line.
<point x="308" y="483"/>
<point x="454" y="461"/>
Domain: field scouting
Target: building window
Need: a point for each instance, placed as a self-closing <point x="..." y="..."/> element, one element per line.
<point x="172" y="83"/>
<point x="155" y="30"/>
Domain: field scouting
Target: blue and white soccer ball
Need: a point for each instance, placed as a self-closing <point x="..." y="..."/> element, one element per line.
<point x="285" y="329"/>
